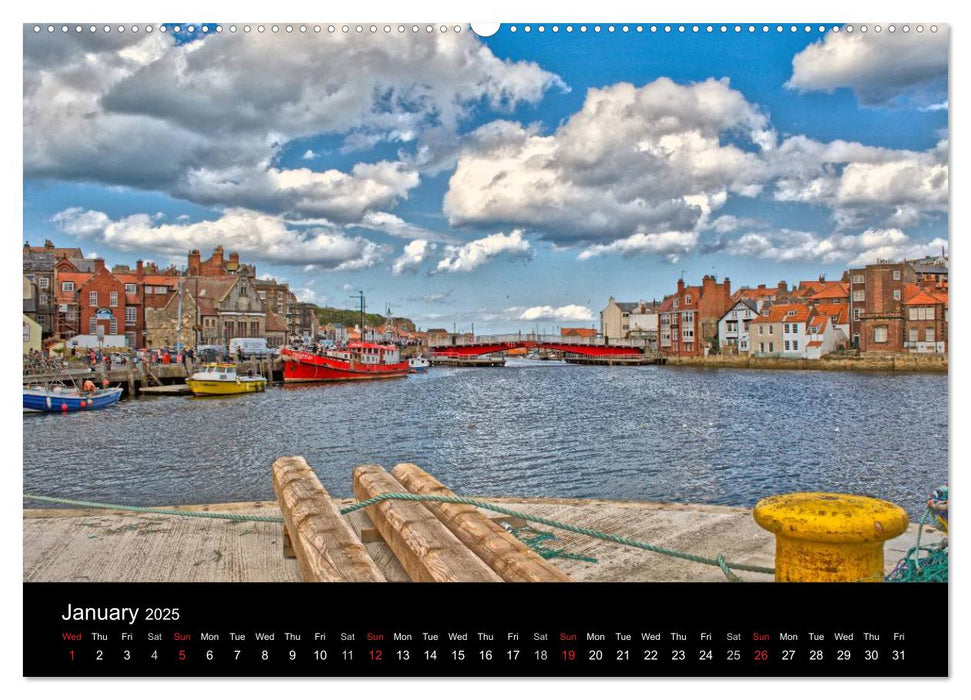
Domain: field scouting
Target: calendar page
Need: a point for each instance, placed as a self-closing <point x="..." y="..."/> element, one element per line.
<point x="623" y="347"/>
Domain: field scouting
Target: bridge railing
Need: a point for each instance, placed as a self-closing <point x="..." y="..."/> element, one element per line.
<point x="539" y="338"/>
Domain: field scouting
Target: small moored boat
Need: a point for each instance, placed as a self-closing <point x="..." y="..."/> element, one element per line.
<point x="418" y="365"/>
<point x="62" y="399"/>
<point x="221" y="379"/>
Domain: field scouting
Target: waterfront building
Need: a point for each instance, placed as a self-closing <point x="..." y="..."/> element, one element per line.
<point x="33" y="335"/>
<point x="215" y="310"/>
<point x="277" y="331"/>
<point x="688" y="319"/>
<point x="38" y="270"/>
<point x="926" y="320"/>
<point x="877" y="306"/>
<point x="762" y="295"/>
<point x="839" y="318"/>
<point x="733" y="326"/>
<point x="615" y="318"/>
<point x="931" y="269"/>
<point x="832" y="293"/>
<point x="822" y="337"/>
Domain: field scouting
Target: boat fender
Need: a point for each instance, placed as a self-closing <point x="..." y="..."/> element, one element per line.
<point x="48" y="400"/>
<point x="63" y="407"/>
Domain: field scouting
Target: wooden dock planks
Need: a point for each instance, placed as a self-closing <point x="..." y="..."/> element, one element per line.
<point x="425" y="547"/>
<point x="325" y="545"/>
<point x="506" y="555"/>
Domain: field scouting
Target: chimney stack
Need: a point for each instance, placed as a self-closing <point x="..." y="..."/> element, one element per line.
<point x="194" y="262"/>
<point x="680" y="285"/>
<point x="99" y="264"/>
<point x="139" y="268"/>
<point x="217" y="256"/>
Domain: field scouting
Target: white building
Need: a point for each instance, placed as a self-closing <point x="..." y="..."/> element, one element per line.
<point x="733" y="327"/>
<point x="824" y="337"/>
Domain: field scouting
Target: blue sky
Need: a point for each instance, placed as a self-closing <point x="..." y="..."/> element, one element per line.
<point x="511" y="181"/>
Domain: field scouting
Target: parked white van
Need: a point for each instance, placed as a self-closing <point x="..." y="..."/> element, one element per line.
<point x="251" y="347"/>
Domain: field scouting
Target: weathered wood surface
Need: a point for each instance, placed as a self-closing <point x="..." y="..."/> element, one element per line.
<point x="493" y="544"/>
<point x="326" y="547"/>
<point x="423" y="545"/>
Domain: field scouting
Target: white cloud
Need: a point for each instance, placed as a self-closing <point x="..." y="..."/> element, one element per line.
<point x="308" y="155"/>
<point x="672" y="244"/>
<point x="412" y="256"/>
<point x="650" y="159"/>
<point x="256" y="236"/>
<point x="467" y="257"/>
<point x="570" y="312"/>
<point x="880" y="68"/>
<point x="862" y="183"/>
<point x="803" y="246"/>
<point x="206" y="120"/>
<point x="396" y="226"/>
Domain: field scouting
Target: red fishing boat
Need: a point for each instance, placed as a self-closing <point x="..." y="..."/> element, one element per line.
<point x="356" y="361"/>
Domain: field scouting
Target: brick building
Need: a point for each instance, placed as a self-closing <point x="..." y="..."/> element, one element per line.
<point x="926" y="320"/>
<point x="877" y="305"/>
<point x="688" y="319"/>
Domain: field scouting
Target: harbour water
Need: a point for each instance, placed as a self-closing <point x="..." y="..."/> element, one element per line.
<point x="539" y="429"/>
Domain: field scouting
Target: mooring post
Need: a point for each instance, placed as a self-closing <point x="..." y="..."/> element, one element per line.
<point x="829" y="537"/>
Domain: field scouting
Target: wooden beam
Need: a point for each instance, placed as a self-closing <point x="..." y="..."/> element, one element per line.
<point x="425" y="547"/>
<point x="322" y="540"/>
<point x="493" y="544"/>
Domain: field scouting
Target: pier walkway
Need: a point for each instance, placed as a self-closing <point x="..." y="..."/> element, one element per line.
<point x="103" y="545"/>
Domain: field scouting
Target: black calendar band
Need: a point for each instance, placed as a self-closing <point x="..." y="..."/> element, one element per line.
<point x="597" y="629"/>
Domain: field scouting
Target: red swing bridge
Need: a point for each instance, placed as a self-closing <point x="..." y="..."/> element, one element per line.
<point x="462" y="346"/>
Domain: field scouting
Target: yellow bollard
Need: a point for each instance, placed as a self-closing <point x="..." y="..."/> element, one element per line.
<point x="829" y="537"/>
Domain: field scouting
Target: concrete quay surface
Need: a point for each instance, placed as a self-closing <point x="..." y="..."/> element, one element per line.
<point x="105" y="545"/>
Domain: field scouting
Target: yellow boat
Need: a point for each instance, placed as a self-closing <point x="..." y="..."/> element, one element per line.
<point x="222" y="380"/>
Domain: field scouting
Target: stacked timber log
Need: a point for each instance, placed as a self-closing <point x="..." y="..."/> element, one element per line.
<point x="432" y="541"/>
<point x="505" y="554"/>
<point x="325" y="545"/>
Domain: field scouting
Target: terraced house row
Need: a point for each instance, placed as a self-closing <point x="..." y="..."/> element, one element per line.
<point x="887" y="307"/>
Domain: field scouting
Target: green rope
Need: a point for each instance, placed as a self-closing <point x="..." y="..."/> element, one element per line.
<point x="720" y="561"/>
<point x="158" y="511"/>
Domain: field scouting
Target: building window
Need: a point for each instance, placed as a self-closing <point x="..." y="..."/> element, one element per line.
<point x="113" y="326"/>
<point x="858" y="295"/>
<point x="787" y="346"/>
<point x="786" y="329"/>
<point x="675" y="304"/>
<point x="880" y="334"/>
<point x="243" y="291"/>
<point x="761" y="347"/>
<point x="896" y="295"/>
<point x="795" y="344"/>
<point x="913" y="335"/>
<point x="92" y="325"/>
<point x="44" y="283"/>
<point x="687" y="300"/>
<point x="92" y="298"/>
<point x="857" y="279"/>
<point x="929" y="335"/>
<point x="856" y="314"/>
<point x="131" y="315"/>
<point x="896" y="274"/>
<point x="113" y="299"/>
<point x="771" y="347"/>
<point x="795" y="327"/>
<point x="67" y="286"/>
<point x="131" y="289"/>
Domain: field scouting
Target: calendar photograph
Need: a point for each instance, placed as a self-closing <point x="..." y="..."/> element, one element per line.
<point x="517" y="303"/>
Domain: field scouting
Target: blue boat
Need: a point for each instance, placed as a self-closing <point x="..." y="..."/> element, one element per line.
<point x="66" y="400"/>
